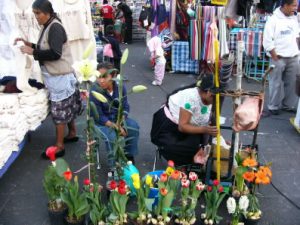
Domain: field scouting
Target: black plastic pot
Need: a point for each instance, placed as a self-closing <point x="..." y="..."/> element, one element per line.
<point x="57" y="217"/>
<point x="249" y="221"/>
<point x="69" y="222"/>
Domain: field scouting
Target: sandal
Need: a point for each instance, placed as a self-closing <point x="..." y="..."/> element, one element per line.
<point x="70" y="140"/>
<point x="58" y="154"/>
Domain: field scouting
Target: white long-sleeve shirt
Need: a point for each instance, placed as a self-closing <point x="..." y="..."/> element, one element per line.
<point x="280" y="33"/>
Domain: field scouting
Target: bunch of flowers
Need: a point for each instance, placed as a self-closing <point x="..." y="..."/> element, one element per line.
<point x="236" y="210"/>
<point x="74" y="199"/>
<point x="168" y="185"/>
<point x="213" y="197"/>
<point x="118" y="199"/>
<point x="98" y="210"/>
<point x="255" y="175"/>
<point x="191" y="188"/>
<point x="53" y="181"/>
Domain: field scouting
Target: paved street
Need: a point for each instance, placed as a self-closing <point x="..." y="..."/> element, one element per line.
<point x="23" y="201"/>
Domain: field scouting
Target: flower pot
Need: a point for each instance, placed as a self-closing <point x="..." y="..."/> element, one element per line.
<point x="56" y="217"/>
<point x="249" y="221"/>
<point x="73" y="221"/>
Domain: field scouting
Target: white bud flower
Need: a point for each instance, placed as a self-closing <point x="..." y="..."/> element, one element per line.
<point x="231" y="205"/>
<point x="243" y="203"/>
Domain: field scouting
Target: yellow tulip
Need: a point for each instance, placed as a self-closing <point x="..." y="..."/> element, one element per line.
<point x="149" y="180"/>
<point x="169" y="171"/>
<point x="99" y="97"/>
<point x="139" y="88"/>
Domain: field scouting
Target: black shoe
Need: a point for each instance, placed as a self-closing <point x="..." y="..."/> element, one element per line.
<point x="287" y="109"/>
<point x="274" y="112"/>
<point x="69" y="140"/>
<point x="267" y="113"/>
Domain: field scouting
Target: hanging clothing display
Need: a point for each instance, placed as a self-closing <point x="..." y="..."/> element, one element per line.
<point x="208" y="26"/>
<point x="181" y="61"/>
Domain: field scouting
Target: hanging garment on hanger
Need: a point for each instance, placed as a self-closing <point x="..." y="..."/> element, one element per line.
<point x="223" y="32"/>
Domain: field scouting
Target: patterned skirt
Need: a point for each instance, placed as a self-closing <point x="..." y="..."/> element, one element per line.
<point x="66" y="110"/>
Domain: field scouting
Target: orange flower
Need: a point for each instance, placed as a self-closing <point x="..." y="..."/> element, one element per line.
<point x="175" y="175"/>
<point x="249" y="162"/>
<point x="163" y="191"/>
<point x="262" y="178"/>
<point x="266" y="170"/>
<point x="249" y="176"/>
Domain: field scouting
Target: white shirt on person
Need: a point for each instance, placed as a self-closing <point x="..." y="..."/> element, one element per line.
<point x="190" y="100"/>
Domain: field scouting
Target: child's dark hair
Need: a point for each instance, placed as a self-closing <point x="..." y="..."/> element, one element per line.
<point x="109" y="30"/>
<point x="109" y="67"/>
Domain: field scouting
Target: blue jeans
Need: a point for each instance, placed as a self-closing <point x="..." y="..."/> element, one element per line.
<point x="109" y="136"/>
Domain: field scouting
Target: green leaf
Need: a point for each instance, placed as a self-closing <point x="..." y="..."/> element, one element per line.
<point x="61" y="166"/>
<point x="124" y="56"/>
<point x="94" y="110"/>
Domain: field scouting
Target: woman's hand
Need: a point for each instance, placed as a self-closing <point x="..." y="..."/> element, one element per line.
<point x="123" y="132"/>
<point x="26" y="43"/>
<point x="26" y="50"/>
<point x="211" y="130"/>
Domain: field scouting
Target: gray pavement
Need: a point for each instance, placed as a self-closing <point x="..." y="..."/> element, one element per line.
<point x="23" y="201"/>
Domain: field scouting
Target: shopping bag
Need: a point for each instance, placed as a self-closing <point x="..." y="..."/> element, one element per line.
<point x="107" y="51"/>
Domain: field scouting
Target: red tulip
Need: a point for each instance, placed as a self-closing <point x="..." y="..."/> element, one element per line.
<point x="216" y="182"/>
<point x="68" y="175"/>
<point x="171" y="163"/>
<point x="122" y="183"/>
<point x="221" y="189"/>
<point x="163" y="191"/>
<point x="86" y="182"/>
<point x="209" y="188"/>
<point x="50" y="152"/>
<point x="176" y="175"/>
<point x="113" y="185"/>
<point x="122" y="190"/>
<point x="163" y="177"/>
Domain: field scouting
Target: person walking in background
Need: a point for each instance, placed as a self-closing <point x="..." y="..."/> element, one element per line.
<point x="107" y="13"/>
<point x="109" y="38"/>
<point x="54" y="56"/>
<point x="127" y="13"/>
<point x="280" y="41"/>
<point x="157" y="55"/>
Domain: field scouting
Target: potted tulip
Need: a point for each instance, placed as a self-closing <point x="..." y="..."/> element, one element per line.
<point x="76" y="201"/>
<point x="53" y="183"/>
<point x="191" y="188"/>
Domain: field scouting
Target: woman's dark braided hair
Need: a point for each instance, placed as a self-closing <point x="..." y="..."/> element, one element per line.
<point x="46" y="7"/>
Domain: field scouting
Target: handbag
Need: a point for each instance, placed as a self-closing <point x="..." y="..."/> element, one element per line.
<point x="107" y="51"/>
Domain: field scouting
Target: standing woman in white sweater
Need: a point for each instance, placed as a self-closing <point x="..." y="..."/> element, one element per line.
<point x="54" y="56"/>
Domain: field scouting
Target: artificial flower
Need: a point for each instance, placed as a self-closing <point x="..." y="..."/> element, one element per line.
<point x="163" y="191"/>
<point x="249" y="176"/>
<point x="231" y="205"/>
<point x="185" y="183"/>
<point x="86" y="70"/>
<point x="193" y="176"/>
<point x="86" y="182"/>
<point x="169" y="171"/>
<point x="175" y="175"/>
<point x="216" y="182"/>
<point x="50" y="152"/>
<point x="249" y="162"/>
<point x="99" y="97"/>
<point x="163" y="177"/>
<point x="244" y="203"/>
<point x="171" y="163"/>
<point x="68" y="175"/>
<point x="139" y="88"/>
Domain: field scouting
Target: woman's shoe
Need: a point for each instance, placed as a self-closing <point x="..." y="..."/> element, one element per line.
<point x="70" y="140"/>
<point x="58" y="154"/>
